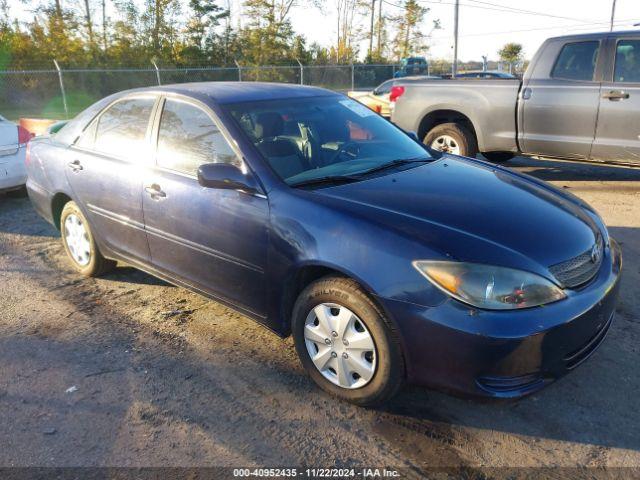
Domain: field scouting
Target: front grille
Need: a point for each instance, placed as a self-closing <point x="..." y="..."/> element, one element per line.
<point x="579" y="270"/>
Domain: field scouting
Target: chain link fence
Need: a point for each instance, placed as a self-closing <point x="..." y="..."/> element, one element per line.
<point x="59" y="94"/>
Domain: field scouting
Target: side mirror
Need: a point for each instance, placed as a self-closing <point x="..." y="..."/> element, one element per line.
<point x="226" y="176"/>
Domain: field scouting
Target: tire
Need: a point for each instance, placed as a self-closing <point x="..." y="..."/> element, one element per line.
<point x="78" y="238"/>
<point x="385" y="361"/>
<point x="498" y="157"/>
<point x="463" y="138"/>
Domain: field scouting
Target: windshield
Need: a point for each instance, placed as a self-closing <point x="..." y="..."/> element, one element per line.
<point x="310" y="138"/>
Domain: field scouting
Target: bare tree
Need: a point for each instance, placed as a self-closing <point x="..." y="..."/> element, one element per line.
<point x="373" y="15"/>
<point x="104" y="25"/>
<point x="88" y="22"/>
<point x="348" y="31"/>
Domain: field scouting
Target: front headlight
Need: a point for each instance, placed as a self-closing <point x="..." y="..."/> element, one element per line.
<point x="490" y="287"/>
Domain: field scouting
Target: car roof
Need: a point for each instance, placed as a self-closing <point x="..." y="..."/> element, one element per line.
<point x="486" y="72"/>
<point x="598" y="35"/>
<point x="237" y="92"/>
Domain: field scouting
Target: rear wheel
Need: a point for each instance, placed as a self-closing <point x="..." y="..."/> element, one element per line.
<point x="345" y="343"/>
<point x="453" y="138"/>
<point x="79" y="243"/>
<point x="498" y="157"/>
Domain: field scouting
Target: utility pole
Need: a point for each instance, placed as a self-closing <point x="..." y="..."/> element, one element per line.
<point x="454" y="65"/>
<point x="613" y="14"/>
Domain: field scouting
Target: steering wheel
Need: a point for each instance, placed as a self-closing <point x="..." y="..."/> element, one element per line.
<point x="351" y="149"/>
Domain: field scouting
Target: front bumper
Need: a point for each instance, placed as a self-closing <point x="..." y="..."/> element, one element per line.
<point x="507" y="354"/>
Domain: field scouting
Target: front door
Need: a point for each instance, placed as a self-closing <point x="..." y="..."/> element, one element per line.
<point x="559" y="112"/>
<point x="105" y="169"/>
<point x="214" y="240"/>
<point x="618" y="133"/>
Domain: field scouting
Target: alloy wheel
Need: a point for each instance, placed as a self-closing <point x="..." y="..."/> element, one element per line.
<point x="446" y="143"/>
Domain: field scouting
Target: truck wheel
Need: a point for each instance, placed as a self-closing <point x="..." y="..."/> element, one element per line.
<point x="345" y="343"/>
<point x="498" y="157"/>
<point x="452" y="138"/>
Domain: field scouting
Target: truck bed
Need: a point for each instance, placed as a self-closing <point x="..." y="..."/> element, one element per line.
<point x="489" y="105"/>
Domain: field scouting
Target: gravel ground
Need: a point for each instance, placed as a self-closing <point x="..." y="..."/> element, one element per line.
<point x="127" y="370"/>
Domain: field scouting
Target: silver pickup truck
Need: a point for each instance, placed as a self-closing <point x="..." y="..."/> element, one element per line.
<point x="579" y="99"/>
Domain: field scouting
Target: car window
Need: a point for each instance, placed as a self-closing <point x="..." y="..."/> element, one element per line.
<point x="188" y="138"/>
<point x="384" y="88"/>
<point x="122" y="128"/>
<point x="86" y="140"/>
<point x="577" y="61"/>
<point x="627" y="68"/>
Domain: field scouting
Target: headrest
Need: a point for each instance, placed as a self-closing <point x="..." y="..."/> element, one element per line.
<point x="268" y="124"/>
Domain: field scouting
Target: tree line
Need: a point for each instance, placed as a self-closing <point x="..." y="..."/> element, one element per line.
<point x="129" y="33"/>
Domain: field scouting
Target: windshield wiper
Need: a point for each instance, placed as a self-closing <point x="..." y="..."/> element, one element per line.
<point x="393" y="164"/>
<point x="331" y="179"/>
<point x="356" y="177"/>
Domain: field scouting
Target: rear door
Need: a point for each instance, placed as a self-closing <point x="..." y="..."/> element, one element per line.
<point x="560" y="105"/>
<point x="105" y="168"/>
<point x="214" y="240"/>
<point x="618" y="132"/>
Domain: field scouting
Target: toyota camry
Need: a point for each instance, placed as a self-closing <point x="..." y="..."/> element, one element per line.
<point x="386" y="261"/>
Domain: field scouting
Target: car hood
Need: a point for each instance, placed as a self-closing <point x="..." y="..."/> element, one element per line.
<point x="470" y="211"/>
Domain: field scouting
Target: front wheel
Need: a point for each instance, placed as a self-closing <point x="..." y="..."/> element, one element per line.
<point x="80" y="244"/>
<point x="453" y="138"/>
<point x="345" y="343"/>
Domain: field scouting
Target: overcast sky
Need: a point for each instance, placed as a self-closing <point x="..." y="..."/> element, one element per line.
<point x="485" y="25"/>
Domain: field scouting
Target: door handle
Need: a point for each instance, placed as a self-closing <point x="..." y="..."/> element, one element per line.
<point x="155" y="191"/>
<point x="615" y="95"/>
<point x="76" y="166"/>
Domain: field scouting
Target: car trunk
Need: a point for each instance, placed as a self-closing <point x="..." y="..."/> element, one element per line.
<point x="8" y="137"/>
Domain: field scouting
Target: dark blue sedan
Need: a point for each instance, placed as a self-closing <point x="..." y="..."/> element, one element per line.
<point x="308" y="212"/>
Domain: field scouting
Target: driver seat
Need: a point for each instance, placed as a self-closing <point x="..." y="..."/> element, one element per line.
<point x="283" y="154"/>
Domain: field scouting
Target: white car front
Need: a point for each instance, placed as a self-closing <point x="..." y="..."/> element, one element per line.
<point x="13" y="144"/>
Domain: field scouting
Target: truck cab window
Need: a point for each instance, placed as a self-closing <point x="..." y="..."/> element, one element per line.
<point x="627" y="67"/>
<point x="577" y="61"/>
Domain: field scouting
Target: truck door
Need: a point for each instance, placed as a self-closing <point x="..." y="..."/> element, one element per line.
<point x="560" y="101"/>
<point x="618" y="132"/>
